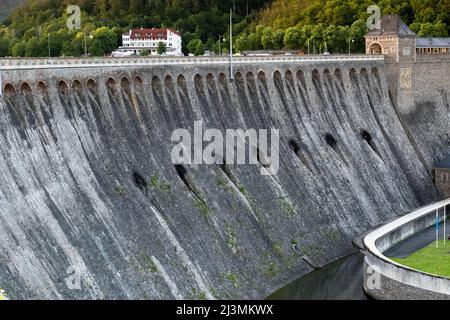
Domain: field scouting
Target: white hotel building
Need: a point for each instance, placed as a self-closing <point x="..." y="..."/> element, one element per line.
<point x="139" y="39"/>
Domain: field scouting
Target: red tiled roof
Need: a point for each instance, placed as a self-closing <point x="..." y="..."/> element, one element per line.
<point x="150" y="33"/>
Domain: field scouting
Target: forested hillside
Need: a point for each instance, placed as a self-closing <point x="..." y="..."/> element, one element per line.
<point x="25" y="32"/>
<point x="297" y="24"/>
<point x="6" y="6"/>
<point x="309" y="25"/>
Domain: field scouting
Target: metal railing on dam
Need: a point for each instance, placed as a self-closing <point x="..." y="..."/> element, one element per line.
<point x="397" y="281"/>
<point x="57" y="63"/>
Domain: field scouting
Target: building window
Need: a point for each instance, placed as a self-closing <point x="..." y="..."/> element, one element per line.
<point x="444" y="176"/>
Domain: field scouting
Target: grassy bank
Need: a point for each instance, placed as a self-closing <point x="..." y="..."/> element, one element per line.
<point x="430" y="259"/>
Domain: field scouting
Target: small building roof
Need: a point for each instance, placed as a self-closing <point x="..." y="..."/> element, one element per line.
<point x="392" y="25"/>
<point x="433" y="43"/>
<point x="150" y="33"/>
<point x="444" y="164"/>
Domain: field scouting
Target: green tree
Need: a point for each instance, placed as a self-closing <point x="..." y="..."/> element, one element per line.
<point x="144" y="53"/>
<point x="19" y="49"/>
<point x="33" y="48"/>
<point x="162" y="48"/>
<point x="4" y="47"/>
<point x="196" y="47"/>
<point x="103" y="41"/>
<point x="199" y="49"/>
<point x="292" y="38"/>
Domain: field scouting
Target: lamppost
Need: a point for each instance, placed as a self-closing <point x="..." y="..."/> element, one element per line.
<point x="350" y="41"/>
<point x="85" y="44"/>
<point x="221" y="38"/>
<point x="49" y="52"/>
<point x="231" y="45"/>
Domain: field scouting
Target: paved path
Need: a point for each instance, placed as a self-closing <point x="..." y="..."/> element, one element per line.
<point x="416" y="242"/>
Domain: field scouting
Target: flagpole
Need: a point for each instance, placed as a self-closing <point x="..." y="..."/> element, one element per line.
<point x="437" y="228"/>
<point x="445" y="218"/>
<point x="231" y="45"/>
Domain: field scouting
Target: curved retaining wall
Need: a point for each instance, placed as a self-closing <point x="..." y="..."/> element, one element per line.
<point x="386" y="279"/>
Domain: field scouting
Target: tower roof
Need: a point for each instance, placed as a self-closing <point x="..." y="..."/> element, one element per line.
<point x="444" y="164"/>
<point x="392" y="25"/>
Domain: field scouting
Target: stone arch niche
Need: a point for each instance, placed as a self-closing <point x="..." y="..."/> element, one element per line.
<point x="250" y="76"/>
<point x="277" y="76"/>
<point x="170" y="90"/>
<point x="315" y="75"/>
<point x="210" y="82"/>
<point x="111" y="84"/>
<point x="375" y="72"/>
<point x="25" y="89"/>
<point x="353" y="74"/>
<point x="198" y="82"/>
<point x="327" y="75"/>
<point x="375" y="48"/>
<point x="168" y="82"/>
<point x="289" y="75"/>
<point x="9" y="90"/>
<point x="301" y="78"/>
<point x="181" y="82"/>
<point x="77" y="86"/>
<point x="262" y="77"/>
<point x="63" y="88"/>
<point x="138" y="80"/>
<point x="42" y="88"/>
<point x="364" y="74"/>
<point x="92" y="86"/>
<point x="138" y="84"/>
<point x="223" y="81"/>
<point x="125" y="83"/>
<point x="238" y="77"/>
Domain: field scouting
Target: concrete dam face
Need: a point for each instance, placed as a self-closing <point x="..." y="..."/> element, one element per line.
<point x="93" y="207"/>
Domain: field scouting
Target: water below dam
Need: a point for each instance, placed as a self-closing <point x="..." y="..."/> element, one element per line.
<point x="343" y="278"/>
<point x="339" y="280"/>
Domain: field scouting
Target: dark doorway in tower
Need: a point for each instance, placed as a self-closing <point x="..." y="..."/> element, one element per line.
<point x="375" y="48"/>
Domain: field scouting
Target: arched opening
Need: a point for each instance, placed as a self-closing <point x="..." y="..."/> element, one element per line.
<point x="25" y="88"/>
<point x="138" y="80"/>
<point x="92" y="86"/>
<point x="9" y="90"/>
<point x="168" y="81"/>
<point x="111" y="84"/>
<point x="42" y="88"/>
<point x="198" y="81"/>
<point x="250" y="77"/>
<point x="181" y="81"/>
<point x="375" y="48"/>
<point x="238" y="77"/>
<point x="316" y="75"/>
<point x="277" y="76"/>
<point x="63" y="88"/>
<point x="77" y="87"/>
<point x="262" y="77"/>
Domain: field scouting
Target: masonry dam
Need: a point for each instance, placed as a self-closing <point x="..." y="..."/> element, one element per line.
<point x="88" y="188"/>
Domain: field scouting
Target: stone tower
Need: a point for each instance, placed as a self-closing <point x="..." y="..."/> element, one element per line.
<point x="398" y="43"/>
<point x="394" y="39"/>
